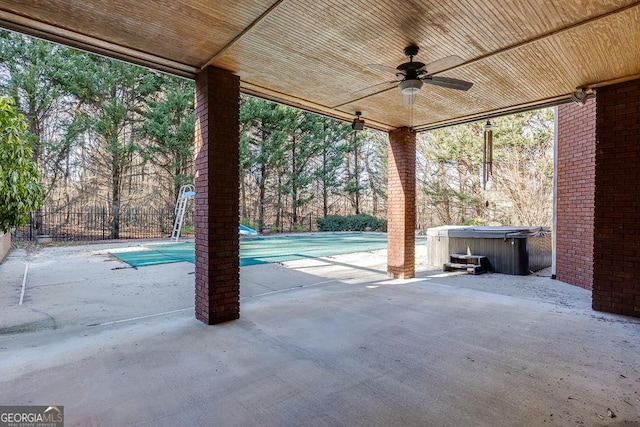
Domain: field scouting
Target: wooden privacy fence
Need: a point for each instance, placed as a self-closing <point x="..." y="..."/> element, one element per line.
<point x="95" y="223"/>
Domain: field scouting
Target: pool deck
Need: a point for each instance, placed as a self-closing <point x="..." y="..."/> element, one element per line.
<point x="328" y="341"/>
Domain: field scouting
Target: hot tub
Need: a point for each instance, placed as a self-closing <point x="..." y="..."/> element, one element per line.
<point x="509" y="250"/>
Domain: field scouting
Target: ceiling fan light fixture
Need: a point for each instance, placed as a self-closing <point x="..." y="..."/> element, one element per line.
<point x="358" y="123"/>
<point x="410" y="86"/>
<point x="580" y="96"/>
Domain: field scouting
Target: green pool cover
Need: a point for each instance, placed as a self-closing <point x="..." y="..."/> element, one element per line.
<point x="263" y="250"/>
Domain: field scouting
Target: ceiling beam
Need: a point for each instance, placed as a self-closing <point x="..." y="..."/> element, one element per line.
<point x="545" y="103"/>
<point x="48" y="32"/>
<point x="596" y="85"/>
<point x="243" y="32"/>
<point x="271" y="95"/>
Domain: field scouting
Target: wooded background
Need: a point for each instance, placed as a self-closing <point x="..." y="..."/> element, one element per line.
<point x="114" y="143"/>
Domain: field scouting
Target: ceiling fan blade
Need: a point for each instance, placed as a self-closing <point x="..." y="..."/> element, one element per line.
<point x="376" y="86"/>
<point x="442" y="64"/>
<point x="448" y="82"/>
<point x="408" y="98"/>
<point x="384" y="68"/>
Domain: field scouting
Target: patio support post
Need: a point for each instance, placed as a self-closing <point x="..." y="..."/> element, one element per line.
<point x="401" y="204"/>
<point x="575" y="177"/>
<point x="217" y="134"/>
<point x="616" y="224"/>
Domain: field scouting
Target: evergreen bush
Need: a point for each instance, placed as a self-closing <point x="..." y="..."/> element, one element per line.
<point x="358" y="222"/>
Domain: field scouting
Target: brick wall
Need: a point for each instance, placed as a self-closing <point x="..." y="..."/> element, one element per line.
<point x="575" y="193"/>
<point x="217" y="276"/>
<point x="401" y="204"/>
<point x="616" y="276"/>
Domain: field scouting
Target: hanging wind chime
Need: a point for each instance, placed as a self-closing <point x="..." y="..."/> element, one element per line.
<point x="487" y="156"/>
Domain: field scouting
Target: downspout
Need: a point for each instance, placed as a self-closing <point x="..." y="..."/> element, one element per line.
<point x="554" y="226"/>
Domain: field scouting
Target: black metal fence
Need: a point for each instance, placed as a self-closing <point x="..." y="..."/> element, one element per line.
<point x="95" y="223"/>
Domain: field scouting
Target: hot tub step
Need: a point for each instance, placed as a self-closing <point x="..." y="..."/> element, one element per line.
<point x="474" y="264"/>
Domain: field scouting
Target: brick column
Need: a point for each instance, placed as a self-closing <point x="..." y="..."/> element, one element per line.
<point x="575" y="193"/>
<point x="217" y="193"/>
<point x="616" y="277"/>
<point x="401" y="204"/>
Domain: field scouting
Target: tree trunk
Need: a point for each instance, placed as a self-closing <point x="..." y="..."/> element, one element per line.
<point x="36" y="150"/>
<point x="67" y="176"/>
<point x="177" y="184"/>
<point x="325" y="191"/>
<point x="243" y="196"/>
<point x="372" y="186"/>
<point x="294" y="186"/>
<point x="446" y="203"/>
<point x="279" y="220"/>
<point x="261" y="196"/>
<point x="115" y="199"/>
<point x="357" y="177"/>
<point x="349" y="197"/>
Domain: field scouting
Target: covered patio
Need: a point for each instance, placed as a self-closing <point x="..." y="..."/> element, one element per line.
<point x="355" y="346"/>
<point x="335" y="58"/>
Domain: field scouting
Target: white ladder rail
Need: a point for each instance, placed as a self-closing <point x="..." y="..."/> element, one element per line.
<point x="186" y="192"/>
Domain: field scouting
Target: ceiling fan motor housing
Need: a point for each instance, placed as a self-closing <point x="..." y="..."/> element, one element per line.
<point x="410" y="69"/>
<point x="411" y="50"/>
<point x="410" y="87"/>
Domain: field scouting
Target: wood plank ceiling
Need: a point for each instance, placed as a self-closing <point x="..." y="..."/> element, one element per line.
<point x="314" y="55"/>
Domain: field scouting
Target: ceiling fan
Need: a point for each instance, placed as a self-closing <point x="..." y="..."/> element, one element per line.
<point x="412" y="75"/>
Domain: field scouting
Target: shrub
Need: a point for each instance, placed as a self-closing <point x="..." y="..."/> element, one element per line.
<point x="361" y="222"/>
<point x="351" y="223"/>
<point x="475" y="221"/>
<point x="20" y="189"/>
<point x="247" y="223"/>
<point x="331" y="223"/>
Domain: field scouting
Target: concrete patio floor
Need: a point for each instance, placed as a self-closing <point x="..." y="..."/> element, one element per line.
<point x="328" y="341"/>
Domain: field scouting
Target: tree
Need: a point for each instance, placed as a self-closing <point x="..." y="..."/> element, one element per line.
<point x="32" y="73"/>
<point x="523" y="166"/>
<point x="331" y="158"/>
<point x="448" y="172"/>
<point x="169" y="126"/>
<point x="113" y="94"/>
<point x="20" y="189"/>
<point x="520" y="188"/>
<point x="352" y="185"/>
<point x="375" y="158"/>
<point x="308" y="139"/>
<point x="265" y="128"/>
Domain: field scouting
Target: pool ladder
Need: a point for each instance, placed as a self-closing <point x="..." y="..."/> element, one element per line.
<point x="186" y="192"/>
